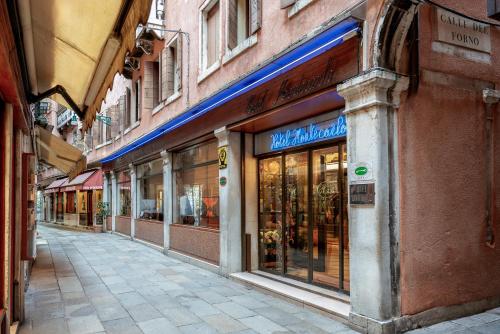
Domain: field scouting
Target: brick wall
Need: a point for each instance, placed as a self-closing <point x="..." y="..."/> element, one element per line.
<point x="195" y="241"/>
<point x="150" y="231"/>
<point x="122" y="225"/>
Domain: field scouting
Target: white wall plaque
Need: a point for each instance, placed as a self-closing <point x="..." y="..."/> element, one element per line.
<point x="458" y="30"/>
<point x="361" y="171"/>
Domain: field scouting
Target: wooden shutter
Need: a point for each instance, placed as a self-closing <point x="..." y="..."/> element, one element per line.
<point x="232" y="25"/>
<point x="178" y="69"/>
<point x="163" y="64"/>
<point x="115" y="121"/>
<point x="255" y="15"/>
<point x="95" y="134"/>
<point x="170" y="70"/>
<point x="124" y="123"/>
<point x="287" y="3"/>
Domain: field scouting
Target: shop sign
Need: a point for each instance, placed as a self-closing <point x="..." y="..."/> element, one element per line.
<point x="311" y="131"/>
<point x="461" y="31"/>
<point x="361" y="171"/>
<point x="362" y="194"/>
<point x="223" y="181"/>
<point x="222" y="153"/>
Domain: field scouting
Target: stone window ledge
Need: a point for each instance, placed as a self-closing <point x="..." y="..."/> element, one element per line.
<point x="132" y="127"/>
<point x="298" y="6"/>
<point x="242" y="47"/>
<point x="208" y="72"/>
<point x="104" y="144"/>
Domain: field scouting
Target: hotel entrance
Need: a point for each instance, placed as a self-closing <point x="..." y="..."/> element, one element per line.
<point x="303" y="222"/>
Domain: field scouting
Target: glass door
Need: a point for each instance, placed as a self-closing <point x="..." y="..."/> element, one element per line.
<point x="303" y="223"/>
<point x="270" y="215"/>
<point x="296" y="218"/>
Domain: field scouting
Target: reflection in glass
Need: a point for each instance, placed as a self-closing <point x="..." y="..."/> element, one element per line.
<point x="326" y="216"/>
<point x="150" y="190"/>
<point x="297" y="246"/>
<point x="270" y="211"/>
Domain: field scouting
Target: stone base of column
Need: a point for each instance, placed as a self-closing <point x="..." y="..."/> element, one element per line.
<point x="368" y="325"/>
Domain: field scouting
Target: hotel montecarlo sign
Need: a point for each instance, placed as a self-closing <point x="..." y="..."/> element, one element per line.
<point x="461" y="31"/>
<point x="322" y="128"/>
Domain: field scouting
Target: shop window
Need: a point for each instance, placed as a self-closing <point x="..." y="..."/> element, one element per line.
<point x="60" y="207"/>
<point x="150" y="188"/>
<point x="125" y="203"/>
<point x="196" y="190"/>
<point x="71" y="202"/>
<point x="243" y="21"/>
<point x="110" y="196"/>
<point x="210" y="35"/>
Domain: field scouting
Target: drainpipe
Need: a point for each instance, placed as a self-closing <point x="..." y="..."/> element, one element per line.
<point x="491" y="98"/>
<point x="27" y="28"/>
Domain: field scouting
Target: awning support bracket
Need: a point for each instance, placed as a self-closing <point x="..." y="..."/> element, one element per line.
<point x="61" y="91"/>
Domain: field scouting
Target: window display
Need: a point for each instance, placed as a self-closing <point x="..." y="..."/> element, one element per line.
<point x="125" y="203"/>
<point x="150" y="188"/>
<point x="196" y="176"/>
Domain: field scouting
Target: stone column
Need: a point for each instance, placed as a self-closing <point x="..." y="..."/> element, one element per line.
<point x="114" y="200"/>
<point x="133" y="199"/>
<point x="168" y="197"/>
<point x="230" y="204"/>
<point x="371" y="100"/>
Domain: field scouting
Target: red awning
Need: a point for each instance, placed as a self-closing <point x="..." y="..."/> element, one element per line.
<point x="86" y="181"/>
<point x="55" y="185"/>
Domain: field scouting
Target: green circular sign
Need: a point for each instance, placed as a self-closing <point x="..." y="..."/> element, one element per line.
<point x="361" y="171"/>
<point x="223" y="181"/>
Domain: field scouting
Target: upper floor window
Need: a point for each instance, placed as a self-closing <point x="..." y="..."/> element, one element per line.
<point x="124" y="104"/>
<point x="137" y="100"/>
<point x="244" y="19"/>
<point x="210" y="34"/>
<point x="171" y="62"/>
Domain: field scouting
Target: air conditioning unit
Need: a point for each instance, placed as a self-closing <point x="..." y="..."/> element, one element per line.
<point x="494" y="9"/>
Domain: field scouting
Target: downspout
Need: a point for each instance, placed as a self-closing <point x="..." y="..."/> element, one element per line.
<point x="491" y="98"/>
<point x="27" y="29"/>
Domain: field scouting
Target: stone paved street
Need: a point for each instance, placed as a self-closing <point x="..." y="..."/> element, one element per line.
<point x="96" y="282"/>
<point x="93" y="283"/>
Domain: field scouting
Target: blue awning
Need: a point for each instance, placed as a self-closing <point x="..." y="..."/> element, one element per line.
<point x="314" y="47"/>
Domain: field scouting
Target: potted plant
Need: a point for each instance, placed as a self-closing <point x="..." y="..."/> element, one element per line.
<point x="102" y="212"/>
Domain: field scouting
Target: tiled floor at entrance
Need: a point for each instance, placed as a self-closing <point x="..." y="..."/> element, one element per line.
<point x="92" y="283"/>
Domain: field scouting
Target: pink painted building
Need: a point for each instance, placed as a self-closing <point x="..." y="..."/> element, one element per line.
<point x="346" y="148"/>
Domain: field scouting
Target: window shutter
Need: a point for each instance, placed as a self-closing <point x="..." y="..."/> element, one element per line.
<point x="163" y="62"/>
<point x="115" y="121"/>
<point x="232" y="26"/>
<point x="255" y="7"/>
<point x="287" y="3"/>
<point x="122" y="111"/>
<point x="170" y="71"/>
<point x="178" y="55"/>
<point x="95" y="133"/>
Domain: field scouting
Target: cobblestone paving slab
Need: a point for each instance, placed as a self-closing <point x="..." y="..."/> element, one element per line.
<point x="102" y="283"/>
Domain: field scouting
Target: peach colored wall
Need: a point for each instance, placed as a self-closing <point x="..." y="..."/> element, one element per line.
<point x="444" y="259"/>
<point x="149" y="230"/>
<point x="202" y="243"/>
<point x="278" y="32"/>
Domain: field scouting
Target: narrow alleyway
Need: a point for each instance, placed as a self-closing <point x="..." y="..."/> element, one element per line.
<point x="92" y="283"/>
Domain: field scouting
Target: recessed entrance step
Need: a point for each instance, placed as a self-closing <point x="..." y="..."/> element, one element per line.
<point x="333" y="304"/>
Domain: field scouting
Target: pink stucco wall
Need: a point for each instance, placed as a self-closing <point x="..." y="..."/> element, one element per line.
<point x="444" y="257"/>
<point x="278" y="32"/>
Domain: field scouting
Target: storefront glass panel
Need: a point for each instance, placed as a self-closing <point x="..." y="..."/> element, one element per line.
<point x="150" y="188"/>
<point x="296" y="231"/>
<point x="196" y="176"/>
<point x="270" y="214"/>
<point x="125" y="198"/>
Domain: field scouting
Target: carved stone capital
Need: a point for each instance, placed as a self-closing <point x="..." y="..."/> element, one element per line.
<point x="378" y="87"/>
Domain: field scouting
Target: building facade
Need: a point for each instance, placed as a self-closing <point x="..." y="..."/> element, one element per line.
<point x="319" y="144"/>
